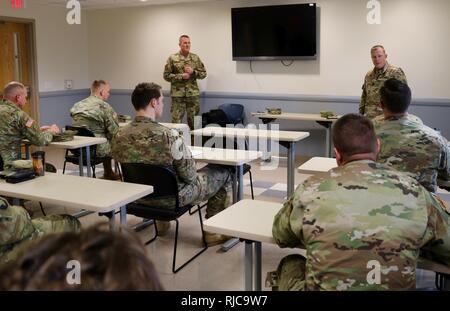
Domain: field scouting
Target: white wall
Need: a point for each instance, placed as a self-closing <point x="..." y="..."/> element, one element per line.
<point x="62" y="51"/>
<point x="130" y="45"/>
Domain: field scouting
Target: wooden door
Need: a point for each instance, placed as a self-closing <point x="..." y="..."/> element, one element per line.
<point x="15" y="57"/>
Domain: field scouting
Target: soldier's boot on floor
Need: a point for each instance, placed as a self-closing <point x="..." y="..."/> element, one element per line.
<point x="213" y="239"/>
<point x="108" y="172"/>
<point x="163" y="227"/>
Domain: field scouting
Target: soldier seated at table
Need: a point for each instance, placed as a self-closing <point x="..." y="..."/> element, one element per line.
<point x="406" y="143"/>
<point x="98" y="116"/>
<point x="17" y="125"/>
<point x="362" y="224"/>
<point x="145" y="141"/>
<point x="17" y="229"/>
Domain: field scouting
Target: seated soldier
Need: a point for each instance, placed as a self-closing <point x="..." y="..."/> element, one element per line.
<point x="406" y="143"/>
<point x="17" y="229"/>
<point x="95" y="259"/>
<point x="98" y="116"/>
<point x="362" y="224"/>
<point x="146" y="141"/>
<point x="16" y="125"/>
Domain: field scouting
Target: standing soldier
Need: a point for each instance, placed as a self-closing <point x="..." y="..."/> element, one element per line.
<point x="362" y="224"/>
<point x="16" y="125"/>
<point x="146" y="141"/>
<point x="182" y="70"/>
<point x="370" y="99"/>
<point x="98" y="116"/>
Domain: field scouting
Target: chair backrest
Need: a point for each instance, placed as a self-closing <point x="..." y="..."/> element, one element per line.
<point x="235" y="113"/>
<point x="83" y="131"/>
<point x="162" y="178"/>
<point x="215" y="116"/>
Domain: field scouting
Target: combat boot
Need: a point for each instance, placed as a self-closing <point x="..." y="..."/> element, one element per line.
<point x="213" y="239"/>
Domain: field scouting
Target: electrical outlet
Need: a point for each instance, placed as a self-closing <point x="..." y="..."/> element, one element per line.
<point x="68" y="84"/>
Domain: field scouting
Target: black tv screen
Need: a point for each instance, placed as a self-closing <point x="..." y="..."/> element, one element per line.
<point x="274" y="32"/>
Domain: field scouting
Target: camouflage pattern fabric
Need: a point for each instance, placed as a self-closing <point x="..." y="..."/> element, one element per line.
<point x="146" y="141"/>
<point x="181" y="105"/>
<point x="356" y="213"/>
<point x="374" y="80"/>
<point x="185" y="93"/>
<point x="410" y="146"/>
<point x="99" y="117"/>
<point x="15" y="126"/>
<point x="17" y="229"/>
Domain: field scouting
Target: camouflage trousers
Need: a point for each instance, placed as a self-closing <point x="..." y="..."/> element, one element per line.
<point x="290" y="274"/>
<point x="21" y="231"/>
<point x="182" y="105"/>
<point x="213" y="184"/>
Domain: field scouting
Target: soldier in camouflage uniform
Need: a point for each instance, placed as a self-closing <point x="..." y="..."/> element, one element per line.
<point x="16" y="125"/>
<point x="95" y="113"/>
<point x="406" y="143"/>
<point x="182" y="71"/>
<point x="370" y="99"/>
<point x="17" y="229"/>
<point x="362" y="224"/>
<point x="146" y="141"/>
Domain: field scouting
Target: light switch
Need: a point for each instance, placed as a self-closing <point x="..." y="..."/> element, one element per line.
<point x="68" y="84"/>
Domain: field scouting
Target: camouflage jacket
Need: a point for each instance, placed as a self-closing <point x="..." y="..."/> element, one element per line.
<point x="174" y="70"/>
<point x="374" y="80"/>
<point x="15" y="126"/>
<point x="15" y="226"/>
<point x="357" y="215"/>
<point x="146" y="141"/>
<point x="98" y="115"/>
<point x="410" y="146"/>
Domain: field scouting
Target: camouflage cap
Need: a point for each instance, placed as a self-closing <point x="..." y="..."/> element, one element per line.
<point x="65" y="136"/>
<point x="22" y="164"/>
<point x="273" y="110"/>
<point x="327" y="114"/>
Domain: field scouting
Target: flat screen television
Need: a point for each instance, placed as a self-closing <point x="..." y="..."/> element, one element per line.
<point x="274" y="32"/>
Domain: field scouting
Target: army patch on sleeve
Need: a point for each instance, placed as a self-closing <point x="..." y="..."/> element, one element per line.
<point x="29" y="122"/>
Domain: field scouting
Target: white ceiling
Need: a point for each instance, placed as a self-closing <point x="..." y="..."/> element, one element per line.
<point x="103" y="4"/>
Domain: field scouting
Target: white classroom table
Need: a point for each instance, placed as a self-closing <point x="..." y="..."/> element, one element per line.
<point x="79" y="142"/>
<point x="229" y="157"/>
<point x="285" y="138"/>
<point x="92" y="194"/>
<point x="325" y="122"/>
<point x="239" y="220"/>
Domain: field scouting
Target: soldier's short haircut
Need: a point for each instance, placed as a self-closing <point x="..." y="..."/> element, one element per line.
<point x="183" y="36"/>
<point x="97" y="84"/>
<point x="378" y="46"/>
<point x="354" y="134"/>
<point x="108" y="260"/>
<point x="395" y="95"/>
<point x="143" y="93"/>
<point x="11" y="88"/>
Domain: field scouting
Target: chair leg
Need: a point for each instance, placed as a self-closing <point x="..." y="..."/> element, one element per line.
<point x="251" y="183"/>
<point x="199" y="207"/>
<point x="205" y="246"/>
<point x="118" y="170"/>
<point x="42" y="209"/>
<point x="64" y="167"/>
<point x="156" y="233"/>
<point x="93" y="171"/>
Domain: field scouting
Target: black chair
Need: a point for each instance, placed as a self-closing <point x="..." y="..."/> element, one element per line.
<point x="72" y="155"/>
<point x="165" y="185"/>
<point x="235" y="114"/>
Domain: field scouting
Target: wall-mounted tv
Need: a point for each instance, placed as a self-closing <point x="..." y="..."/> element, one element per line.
<point x="274" y="32"/>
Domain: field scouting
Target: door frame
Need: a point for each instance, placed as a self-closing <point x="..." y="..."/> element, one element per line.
<point x="31" y="38"/>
